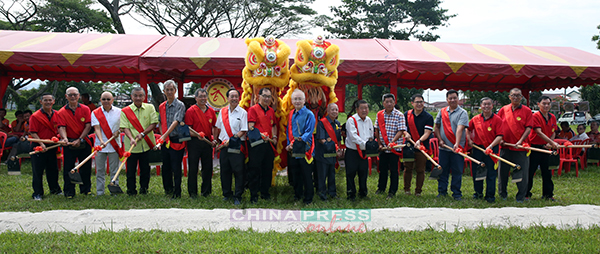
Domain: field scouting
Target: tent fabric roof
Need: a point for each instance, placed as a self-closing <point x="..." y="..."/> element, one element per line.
<point x="490" y="67"/>
<point x="111" y="57"/>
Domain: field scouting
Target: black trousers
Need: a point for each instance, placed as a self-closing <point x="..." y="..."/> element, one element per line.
<point x="540" y="159"/>
<point x="171" y="170"/>
<point x="388" y="162"/>
<point x="132" y="166"/>
<point x="260" y="170"/>
<point x="70" y="156"/>
<point x="326" y="178"/>
<point x="492" y="175"/>
<point x="303" y="180"/>
<point x="356" y="165"/>
<point x="517" y="157"/>
<point x="232" y="165"/>
<point x="40" y="162"/>
<point x="203" y="152"/>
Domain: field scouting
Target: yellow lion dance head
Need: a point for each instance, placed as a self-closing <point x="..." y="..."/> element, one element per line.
<point x="267" y="66"/>
<point x="315" y="73"/>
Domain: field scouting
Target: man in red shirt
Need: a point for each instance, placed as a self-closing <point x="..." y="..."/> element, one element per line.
<point x="74" y="125"/>
<point x="593" y="134"/>
<point x="516" y="122"/>
<point x="542" y="136"/>
<point x="565" y="131"/>
<point x="202" y="119"/>
<point x="42" y="125"/>
<point x="485" y="131"/>
<point x="261" y="156"/>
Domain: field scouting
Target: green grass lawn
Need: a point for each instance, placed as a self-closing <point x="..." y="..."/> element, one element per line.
<point x="489" y="240"/>
<point x="16" y="195"/>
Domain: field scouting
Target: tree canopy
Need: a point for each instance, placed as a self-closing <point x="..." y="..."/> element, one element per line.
<point x="387" y="19"/>
<point x="226" y="18"/>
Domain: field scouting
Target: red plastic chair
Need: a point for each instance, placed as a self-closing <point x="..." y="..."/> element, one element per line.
<point x="580" y="153"/>
<point x="434" y="146"/>
<point x="3" y="137"/>
<point x="566" y="156"/>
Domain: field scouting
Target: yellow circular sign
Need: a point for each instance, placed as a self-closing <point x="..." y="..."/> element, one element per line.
<point x="489" y="128"/>
<point x="83" y="119"/>
<point x="217" y="89"/>
<point x="518" y="118"/>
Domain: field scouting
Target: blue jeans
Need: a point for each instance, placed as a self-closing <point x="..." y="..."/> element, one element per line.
<point x="450" y="161"/>
<point x="10" y="141"/>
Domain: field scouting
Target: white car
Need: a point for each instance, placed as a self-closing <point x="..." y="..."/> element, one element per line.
<point x="574" y="118"/>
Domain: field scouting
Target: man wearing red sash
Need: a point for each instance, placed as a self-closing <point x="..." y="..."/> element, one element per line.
<point x="420" y="125"/>
<point x="75" y="124"/>
<point x="138" y="121"/>
<point x="105" y="121"/>
<point x="389" y="128"/>
<point x="171" y="114"/>
<point x="232" y="124"/>
<point x="359" y="130"/>
<point x="542" y="136"/>
<point x="43" y="125"/>
<point x="328" y="136"/>
<point x="301" y="125"/>
<point x="260" y="164"/>
<point x="450" y="126"/>
<point x="516" y="126"/>
<point x="485" y="131"/>
<point x="202" y="119"/>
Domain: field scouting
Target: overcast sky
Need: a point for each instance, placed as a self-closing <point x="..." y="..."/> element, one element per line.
<point x="509" y="22"/>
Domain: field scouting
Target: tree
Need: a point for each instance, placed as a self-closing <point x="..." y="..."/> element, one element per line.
<point x="591" y="93"/>
<point x="596" y="38"/>
<point x="116" y="9"/>
<point x="73" y="16"/>
<point x="226" y="18"/>
<point x="194" y="87"/>
<point x="387" y="19"/>
<point x="17" y="14"/>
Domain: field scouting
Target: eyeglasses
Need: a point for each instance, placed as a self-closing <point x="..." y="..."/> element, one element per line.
<point x="516" y="95"/>
<point x="72" y="94"/>
<point x="418" y="102"/>
<point x="106" y="99"/>
<point x="265" y="95"/>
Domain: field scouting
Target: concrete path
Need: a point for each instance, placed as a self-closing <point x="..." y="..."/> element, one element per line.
<point x="396" y="219"/>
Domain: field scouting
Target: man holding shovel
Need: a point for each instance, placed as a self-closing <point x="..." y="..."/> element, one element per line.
<point x="516" y="128"/>
<point x="484" y="131"/>
<point x="138" y="121"/>
<point x="105" y="121"/>
<point x="201" y="118"/>
<point x="42" y="125"/>
<point x="74" y="126"/>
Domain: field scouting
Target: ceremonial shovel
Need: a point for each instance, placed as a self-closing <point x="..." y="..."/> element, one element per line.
<point x="437" y="170"/>
<point x="113" y="187"/>
<point x="74" y="174"/>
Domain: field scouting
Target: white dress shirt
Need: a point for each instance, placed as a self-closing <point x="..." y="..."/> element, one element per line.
<point x="365" y="128"/>
<point x="238" y="121"/>
<point x="113" y="117"/>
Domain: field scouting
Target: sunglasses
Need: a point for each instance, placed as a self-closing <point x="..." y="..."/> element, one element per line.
<point x="106" y="99"/>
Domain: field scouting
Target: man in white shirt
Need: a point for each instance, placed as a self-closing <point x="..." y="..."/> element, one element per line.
<point x="359" y="130"/>
<point x="581" y="135"/>
<point x="106" y="120"/>
<point x="232" y="125"/>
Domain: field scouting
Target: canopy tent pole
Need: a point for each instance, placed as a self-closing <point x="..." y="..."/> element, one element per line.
<point x="394" y="85"/>
<point x="144" y="83"/>
<point x="4" y="81"/>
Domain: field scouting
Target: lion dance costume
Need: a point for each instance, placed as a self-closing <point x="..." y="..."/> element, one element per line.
<point x="267" y="66"/>
<point x="315" y="73"/>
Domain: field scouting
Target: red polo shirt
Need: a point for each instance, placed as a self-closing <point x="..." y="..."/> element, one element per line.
<point x="263" y="120"/>
<point x="521" y="120"/>
<point x="192" y="119"/>
<point x="491" y="128"/>
<point x="548" y="127"/>
<point x="43" y="131"/>
<point x="82" y="116"/>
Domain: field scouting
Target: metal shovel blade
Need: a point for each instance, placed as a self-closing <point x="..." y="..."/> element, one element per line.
<point x="114" y="189"/>
<point x="75" y="178"/>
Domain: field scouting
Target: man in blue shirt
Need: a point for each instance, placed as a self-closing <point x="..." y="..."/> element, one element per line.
<point x="301" y="125"/>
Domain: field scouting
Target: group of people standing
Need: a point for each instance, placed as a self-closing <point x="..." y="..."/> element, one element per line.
<point x="312" y="144"/>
